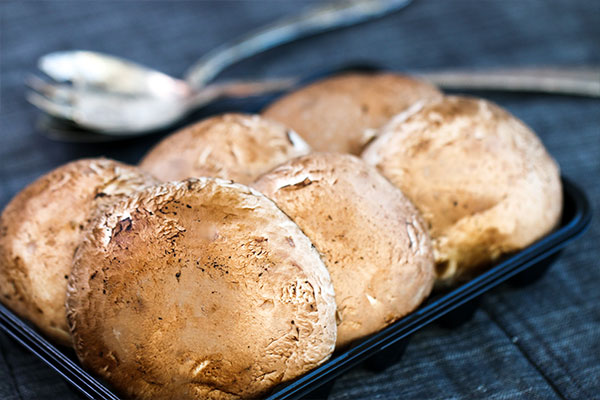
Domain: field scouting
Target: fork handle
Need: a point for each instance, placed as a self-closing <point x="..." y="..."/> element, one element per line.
<point x="320" y="19"/>
<point x="577" y="81"/>
<point x="573" y="81"/>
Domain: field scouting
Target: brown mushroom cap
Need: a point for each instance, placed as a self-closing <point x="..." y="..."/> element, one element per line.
<point x="199" y="289"/>
<point x="370" y="236"/>
<point x="230" y="146"/>
<point x="482" y="180"/>
<point x="341" y="114"/>
<point x="40" y="229"/>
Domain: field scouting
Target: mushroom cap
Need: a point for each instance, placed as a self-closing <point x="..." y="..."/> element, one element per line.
<point x="239" y="147"/>
<point x="481" y="178"/>
<point x="40" y="229"/>
<point x="341" y="114"/>
<point x="371" y="237"/>
<point x="199" y="289"/>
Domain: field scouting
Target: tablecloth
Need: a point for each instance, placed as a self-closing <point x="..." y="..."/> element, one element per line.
<point x="542" y="341"/>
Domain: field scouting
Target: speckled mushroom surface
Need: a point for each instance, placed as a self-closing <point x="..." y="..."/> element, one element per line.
<point x="341" y="114"/>
<point x="40" y="229"/>
<point x="232" y="146"/>
<point x="371" y="237"/>
<point x="201" y="289"/>
<point x="481" y="178"/>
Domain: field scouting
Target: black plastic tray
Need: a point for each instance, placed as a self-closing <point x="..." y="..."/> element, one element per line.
<point x="378" y="351"/>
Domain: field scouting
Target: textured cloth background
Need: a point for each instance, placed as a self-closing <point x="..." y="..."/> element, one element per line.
<point x="542" y="341"/>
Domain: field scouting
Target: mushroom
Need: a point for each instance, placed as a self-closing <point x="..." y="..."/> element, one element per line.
<point x="342" y="114"/>
<point x="239" y="147"/>
<point x="199" y="289"/>
<point x="370" y="236"/>
<point x="481" y="178"/>
<point x="40" y="229"/>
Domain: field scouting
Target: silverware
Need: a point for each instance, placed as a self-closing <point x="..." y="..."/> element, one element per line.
<point x="118" y="97"/>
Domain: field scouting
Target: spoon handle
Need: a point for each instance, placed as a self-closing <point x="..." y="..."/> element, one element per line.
<point x="320" y="19"/>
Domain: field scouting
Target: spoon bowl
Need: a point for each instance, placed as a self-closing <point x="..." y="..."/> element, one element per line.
<point x="109" y="94"/>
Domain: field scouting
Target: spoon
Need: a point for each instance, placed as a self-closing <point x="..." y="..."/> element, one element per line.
<point x="114" y="96"/>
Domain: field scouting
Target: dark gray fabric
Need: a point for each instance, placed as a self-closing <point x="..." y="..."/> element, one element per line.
<point x="542" y="341"/>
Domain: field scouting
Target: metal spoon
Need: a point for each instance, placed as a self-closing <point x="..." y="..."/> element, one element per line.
<point x="118" y="97"/>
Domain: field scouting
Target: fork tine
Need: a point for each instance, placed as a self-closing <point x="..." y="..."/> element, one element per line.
<point x="36" y="83"/>
<point x="64" y="111"/>
<point x="54" y="92"/>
